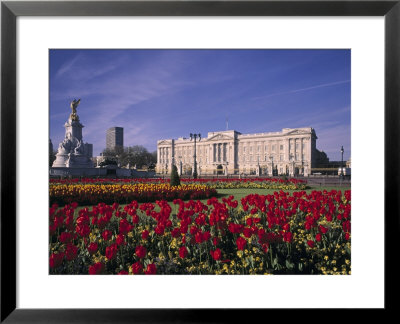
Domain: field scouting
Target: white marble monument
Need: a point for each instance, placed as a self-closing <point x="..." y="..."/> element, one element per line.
<point x="71" y="151"/>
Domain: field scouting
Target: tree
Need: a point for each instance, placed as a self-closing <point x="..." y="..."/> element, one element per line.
<point x="136" y="155"/>
<point x="52" y="157"/>
<point x="114" y="153"/>
<point x="175" y="180"/>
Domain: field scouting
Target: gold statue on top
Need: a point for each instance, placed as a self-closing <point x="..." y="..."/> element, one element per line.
<point x="74" y="104"/>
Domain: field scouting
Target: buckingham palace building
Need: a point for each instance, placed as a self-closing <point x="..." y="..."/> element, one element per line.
<point x="291" y="151"/>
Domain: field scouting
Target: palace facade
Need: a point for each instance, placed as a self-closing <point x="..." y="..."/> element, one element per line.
<point x="291" y="152"/>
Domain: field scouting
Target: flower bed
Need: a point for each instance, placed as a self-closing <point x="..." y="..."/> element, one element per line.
<point x="272" y="234"/>
<point x="91" y="194"/>
<point x="223" y="183"/>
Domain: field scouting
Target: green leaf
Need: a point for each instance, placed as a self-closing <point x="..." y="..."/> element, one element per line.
<point x="275" y="261"/>
<point x="289" y="265"/>
<point x="251" y="261"/>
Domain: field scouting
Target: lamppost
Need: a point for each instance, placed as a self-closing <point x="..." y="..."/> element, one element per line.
<point x="272" y="162"/>
<point x="194" y="136"/>
<point x="341" y="173"/>
<point x="302" y="166"/>
<point x="180" y="165"/>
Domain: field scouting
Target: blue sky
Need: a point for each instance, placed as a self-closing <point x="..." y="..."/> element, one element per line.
<point x="161" y="94"/>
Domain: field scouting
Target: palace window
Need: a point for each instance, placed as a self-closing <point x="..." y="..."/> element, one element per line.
<point x="281" y="157"/>
<point x="273" y="148"/>
<point x="281" y="147"/>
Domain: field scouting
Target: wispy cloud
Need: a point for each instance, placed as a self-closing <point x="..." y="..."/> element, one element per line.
<point x="67" y="66"/>
<point x="324" y="85"/>
<point x="167" y="94"/>
<point x="115" y="99"/>
<point x="330" y="140"/>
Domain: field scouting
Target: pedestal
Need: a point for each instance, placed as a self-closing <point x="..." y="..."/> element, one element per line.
<point x="71" y="151"/>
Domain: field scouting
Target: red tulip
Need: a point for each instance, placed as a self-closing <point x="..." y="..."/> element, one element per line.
<point x="216" y="254"/>
<point x="56" y="259"/>
<point x="137" y="267"/>
<point x="97" y="268"/>
<point x="241" y="243"/>
<point x="310" y="243"/>
<point x="92" y="248"/>
<point x="140" y="251"/>
<point x="151" y="269"/>
<point x="183" y="252"/>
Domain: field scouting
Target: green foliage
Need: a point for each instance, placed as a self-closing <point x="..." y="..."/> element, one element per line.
<point x="175" y="180"/>
<point x="134" y="156"/>
<point x="108" y="161"/>
<point x="52" y="157"/>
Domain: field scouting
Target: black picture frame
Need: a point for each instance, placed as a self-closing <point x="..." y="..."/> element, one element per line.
<point x="10" y="10"/>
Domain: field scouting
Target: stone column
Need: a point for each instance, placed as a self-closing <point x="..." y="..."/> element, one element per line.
<point x="301" y="149"/>
<point x="214" y="151"/>
<point x="172" y="162"/>
<point x="224" y="152"/>
<point x="301" y="155"/>
<point x="158" y="157"/>
<point x="287" y="150"/>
